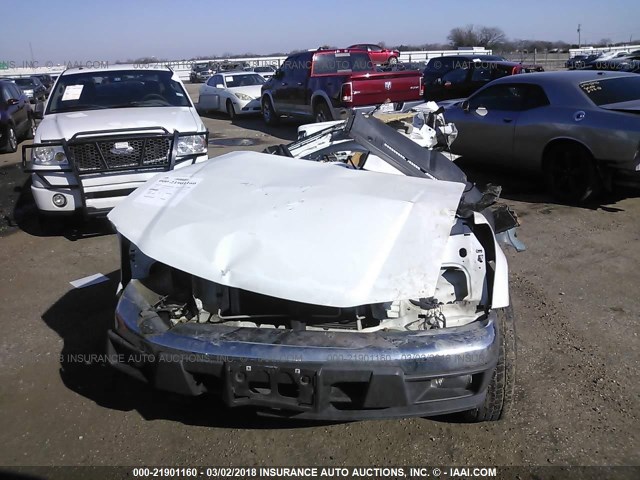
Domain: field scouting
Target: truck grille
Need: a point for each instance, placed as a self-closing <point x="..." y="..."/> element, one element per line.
<point x="138" y="152"/>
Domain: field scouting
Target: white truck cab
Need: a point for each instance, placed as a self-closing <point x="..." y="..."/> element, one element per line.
<point x="107" y="131"/>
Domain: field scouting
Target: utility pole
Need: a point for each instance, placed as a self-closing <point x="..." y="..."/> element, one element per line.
<point x="579" y="35"/>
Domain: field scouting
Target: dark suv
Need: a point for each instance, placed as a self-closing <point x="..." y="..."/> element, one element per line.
<point x="459" y="76"/>
<point x="35" y="91"/>
<point x="16" y="117"/>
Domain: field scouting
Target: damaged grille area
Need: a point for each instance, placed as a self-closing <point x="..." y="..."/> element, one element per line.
<point x="121" y="154"/>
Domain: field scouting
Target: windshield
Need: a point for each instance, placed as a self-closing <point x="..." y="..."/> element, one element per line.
<point x="612" y="90"/>
<point x="24" y="82"/>
<point x="201" y="66"/>
<point x="243" y="80"/>
<point x="331" y="63"/>
<point x="116" y="89"/>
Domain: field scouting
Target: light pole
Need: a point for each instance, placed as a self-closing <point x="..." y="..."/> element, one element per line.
<point x="579" y="35"/>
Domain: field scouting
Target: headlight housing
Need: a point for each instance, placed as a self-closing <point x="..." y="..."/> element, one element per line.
<point x="192" y="144"/>
<point x="243" y="96"/>
<point x="53" y="155"/>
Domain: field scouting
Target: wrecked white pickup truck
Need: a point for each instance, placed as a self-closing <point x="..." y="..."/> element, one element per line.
<point x="317" y="290"/>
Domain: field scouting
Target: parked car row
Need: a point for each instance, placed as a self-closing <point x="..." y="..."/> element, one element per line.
<point x="201" y="71"/>
<point x="619" y="61"/>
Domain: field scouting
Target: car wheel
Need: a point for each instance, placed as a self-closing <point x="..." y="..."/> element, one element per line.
<point x="500" y="391"/>
<point x="322" y="113"/>
<point x="571" y="174"/>
<point x="268" y="113"/>
<point x="393" y="60"/>
<point x="230" y="110"/>
<point x="11" y="143"/>
<point x="31" y="131"/>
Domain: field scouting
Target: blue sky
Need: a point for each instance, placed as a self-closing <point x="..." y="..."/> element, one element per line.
<point x="81" y="30"/>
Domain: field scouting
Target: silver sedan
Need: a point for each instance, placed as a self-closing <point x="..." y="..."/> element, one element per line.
<point x="581" y="129"/>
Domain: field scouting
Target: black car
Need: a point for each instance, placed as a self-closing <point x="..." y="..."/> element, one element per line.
<point x="35" y="91"/>
<point x="580" y="61"/>
<point x="16" y="117"/>
<point x="445" y="78"/>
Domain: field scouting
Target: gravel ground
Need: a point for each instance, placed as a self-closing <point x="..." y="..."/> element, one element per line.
<point x="575" y="292"/>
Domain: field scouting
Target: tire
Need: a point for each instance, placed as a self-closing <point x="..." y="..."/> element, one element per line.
<point x="230" y="110"/>
<point x="500" y="391"/>
<point x="31" y="131"/>
<point x="11" y="143"/>
<point x="269" y="115"/>
<point x="571" y="174"/>
<point x="393" y="60"/>
<point x="321" y="112"/>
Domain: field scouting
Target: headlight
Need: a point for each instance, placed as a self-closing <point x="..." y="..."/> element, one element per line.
<point x="243" y="96"/>
<point x="192" y="144"/>
<point x="49" y="156"/>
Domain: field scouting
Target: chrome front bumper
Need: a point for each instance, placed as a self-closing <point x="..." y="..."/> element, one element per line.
<point x="308" y="374"/>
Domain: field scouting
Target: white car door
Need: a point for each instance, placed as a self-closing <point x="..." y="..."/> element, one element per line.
<point x="210" y="93"/>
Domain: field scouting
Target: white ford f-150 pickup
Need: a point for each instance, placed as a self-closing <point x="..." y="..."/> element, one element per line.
<point x="107" y="131"/>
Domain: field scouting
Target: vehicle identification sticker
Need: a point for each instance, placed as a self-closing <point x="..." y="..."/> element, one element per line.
<point x="72" y="92"/>
<point x="168" y="191"/>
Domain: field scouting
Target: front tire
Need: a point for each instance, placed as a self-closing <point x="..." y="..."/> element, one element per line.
<point x="500" y="391"/>
<point x="393" y="61"/>
<point x="322" y="113"/>
<point x="11" y="143"/>
<point x="230" y="110"/>
<point x="31" y="131"/>
<point x="269" y="115"/>
<point x="571" y="174"/>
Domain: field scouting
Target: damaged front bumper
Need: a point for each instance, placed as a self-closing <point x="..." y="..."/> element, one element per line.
<point x="323" y="375"/>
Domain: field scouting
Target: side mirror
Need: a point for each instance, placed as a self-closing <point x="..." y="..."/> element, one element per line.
<point x="465" y="106"/>
<point x="278" y="74"/>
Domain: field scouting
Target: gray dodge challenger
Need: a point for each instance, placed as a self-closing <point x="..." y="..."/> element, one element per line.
<point x="580" y="129"/>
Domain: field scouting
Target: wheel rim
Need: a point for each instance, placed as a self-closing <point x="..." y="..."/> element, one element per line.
<point x="393" y="60"/>
<point x="320" y="115"/>
<point x="13" y="141"/>
<point x="266" y="110"/>
<point x="569" y="174"/>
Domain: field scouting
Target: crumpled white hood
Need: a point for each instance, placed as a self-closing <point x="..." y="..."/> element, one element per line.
<point x="295" y="229"/>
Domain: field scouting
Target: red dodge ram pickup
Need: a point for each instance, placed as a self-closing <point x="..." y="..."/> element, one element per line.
<point x="327" y="84"/>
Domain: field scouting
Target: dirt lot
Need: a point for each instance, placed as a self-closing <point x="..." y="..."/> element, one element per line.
<point x="575" y="291"/>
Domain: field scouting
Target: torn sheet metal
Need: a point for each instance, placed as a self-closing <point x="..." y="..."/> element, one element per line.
<point x="299" y="230"/>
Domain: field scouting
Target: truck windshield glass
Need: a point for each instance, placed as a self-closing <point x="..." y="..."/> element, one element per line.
<point x="116" y="89"/>
<point x="613" y="90"/>
<point x="331" y="63"/>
